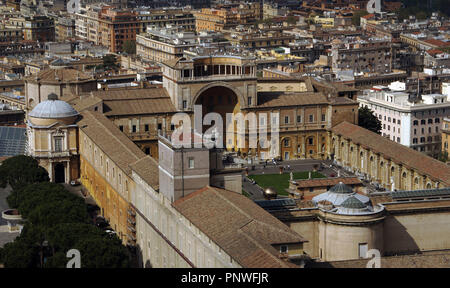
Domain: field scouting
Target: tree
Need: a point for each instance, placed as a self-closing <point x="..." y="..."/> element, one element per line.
<point x="443" y="156"/>
<point x="48" y="204"/>
<point x="129" y="47"/>
<point x="367" y="119"/>
<point x="356" y="18"/>
<point x="109" y="63"/>
<point x="21" y="170"/>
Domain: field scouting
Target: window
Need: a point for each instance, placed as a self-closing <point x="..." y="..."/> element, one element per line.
<point x="437" y="120"/>
<point x="191" y="163"/>
<point x="58" y="144"/>
<point x="430" y="121"/>
<point x="121" y="128"/>
<point x="311" y="141"/>
<point x="172" y="127"/>
<point x="323" y="117"/>
<point x="134" y="128"/>
<point x="362" y="247"/>
<point x="286" y="142"/>
<point x="423" y="122"/>
<point x="414" y="140"/>
<point x="415" y="122"/>
<point x="146" y="127"/>
<point x="286" y="119"/>
<point x="299" y="118"/>
<point x="159" y="126"/>
<point x="147" y="150"/>
<point x="184" y="104"/>
<point x="249" y="100"/>
<point x="283" y="249"/>
<point x="311" y="118"/>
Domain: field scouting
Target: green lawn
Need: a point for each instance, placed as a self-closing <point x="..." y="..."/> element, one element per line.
<point x="281" y="181"/>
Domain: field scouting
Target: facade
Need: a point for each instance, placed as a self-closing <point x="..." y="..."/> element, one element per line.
<point x="258" y="39"/>
<point x="343" y="226"/>
<point x="65" y="29"/>
<point x="164" y="44"/>
<point x="53" y="139"/>
<point x="60" y="81"/>
<point x="10" y="34"/>
<point x="212" y="19"/>
<point x="385" y="162"/>
<point x="35" y="28"/>
<point x="362" y="55"/>
<point x="410" y="122"/>
<point x="446" y="137"/>
<point x="304" y="113"/>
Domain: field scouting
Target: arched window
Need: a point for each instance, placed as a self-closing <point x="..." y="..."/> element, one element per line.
<point x="428" y="185"/>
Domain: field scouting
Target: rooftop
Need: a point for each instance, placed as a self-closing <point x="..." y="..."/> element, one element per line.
<point x="240" y="227"/>
<point x="398" y="153"/>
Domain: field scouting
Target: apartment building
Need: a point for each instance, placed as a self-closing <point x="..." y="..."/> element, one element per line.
<point x="10" y="34"/>
<point x="372" y="55"/>
<point x="35" y="28"/>
<point x="212" y="19"/>
<point x="254" y="39"/>
<point x="410" y="121"/>
<point x="168" y="43"/>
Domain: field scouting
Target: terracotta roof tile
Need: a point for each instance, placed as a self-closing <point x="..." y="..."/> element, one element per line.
<point x="240" y="227"/>
<point x="396" y="152"/>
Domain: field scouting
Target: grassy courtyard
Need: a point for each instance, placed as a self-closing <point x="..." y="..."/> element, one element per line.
<point x="281" y="181"/>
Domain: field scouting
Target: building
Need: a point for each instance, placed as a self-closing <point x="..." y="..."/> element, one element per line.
<point x="174" y="17"/>
<point x="362" y="55"/>
<point x="218" y="19"/>
<point x="161" y="44"/>
<point x="65" y="29"/>
<point x="251" y="39"/>
<point x="392" y="165"/>
<point x="343" y="226"/>
<point x="10" y="34"/>
<point x="306" y="189"/>
<point x="61" y="81"/>
<point x="410" y="121"/>
<point x="446" y="137"/>
<point x="117" y="27"/>
<point x="35" y="28"/>
<point x="53" y="139"/>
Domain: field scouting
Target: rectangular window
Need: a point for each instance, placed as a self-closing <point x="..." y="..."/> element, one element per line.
<point x="323" y="117"/>
<point x="184" y="104"/>
<point x="299" y="119"/>
<point x="121" y="128"/>
<point x="134" y="128"/>
<point x="146" y="127"/>
<point x="286" y="119"/>
<point x="159" y="126"/>
<point x="311" y="118"/>
<point x="362" y="250"/>
<point x="58" y="144"/>
<point x="283" y="249"/>
<point x="249" y="100"/>
<point x="191" y="163"/>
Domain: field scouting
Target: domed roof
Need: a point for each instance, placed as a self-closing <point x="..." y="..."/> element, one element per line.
<point x="341" y="188"/>
<point x="50" y="109"/>
<point x="353" y="203"/>
<point x="338" y="194"/>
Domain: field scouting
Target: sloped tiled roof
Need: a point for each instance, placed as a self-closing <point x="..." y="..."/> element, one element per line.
<point x="282" y="99"/>
<point x="110" y="140"/>
<point x="398" y="153"/>
<point x="240" y="227"/>
<point x="147" y="169"/>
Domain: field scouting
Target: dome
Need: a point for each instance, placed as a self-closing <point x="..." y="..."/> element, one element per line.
<point x="353" y="203"/>
<point x="50" y="109"/>
<point x="338" y="194"/>
<point x="341" y="188"/>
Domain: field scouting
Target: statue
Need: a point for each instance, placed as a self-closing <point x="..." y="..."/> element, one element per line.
<point x="292" y="176"/>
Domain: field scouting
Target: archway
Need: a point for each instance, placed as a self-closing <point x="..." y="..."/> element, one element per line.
<point x="221" y="100"/>
<point x="59" y="173"/>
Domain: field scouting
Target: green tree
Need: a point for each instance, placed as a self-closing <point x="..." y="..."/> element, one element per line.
<point x="129" y="47"/>
<point x="356" y="18"/>
<point x="109" y="63"/>
<point x="367" y="119"/>
<point x="20" y="171"/>
<point x="443" y="156"/>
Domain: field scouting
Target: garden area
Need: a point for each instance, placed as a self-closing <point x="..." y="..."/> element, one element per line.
<point x="56" y="221"/>
<point x="281" y="181"/>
